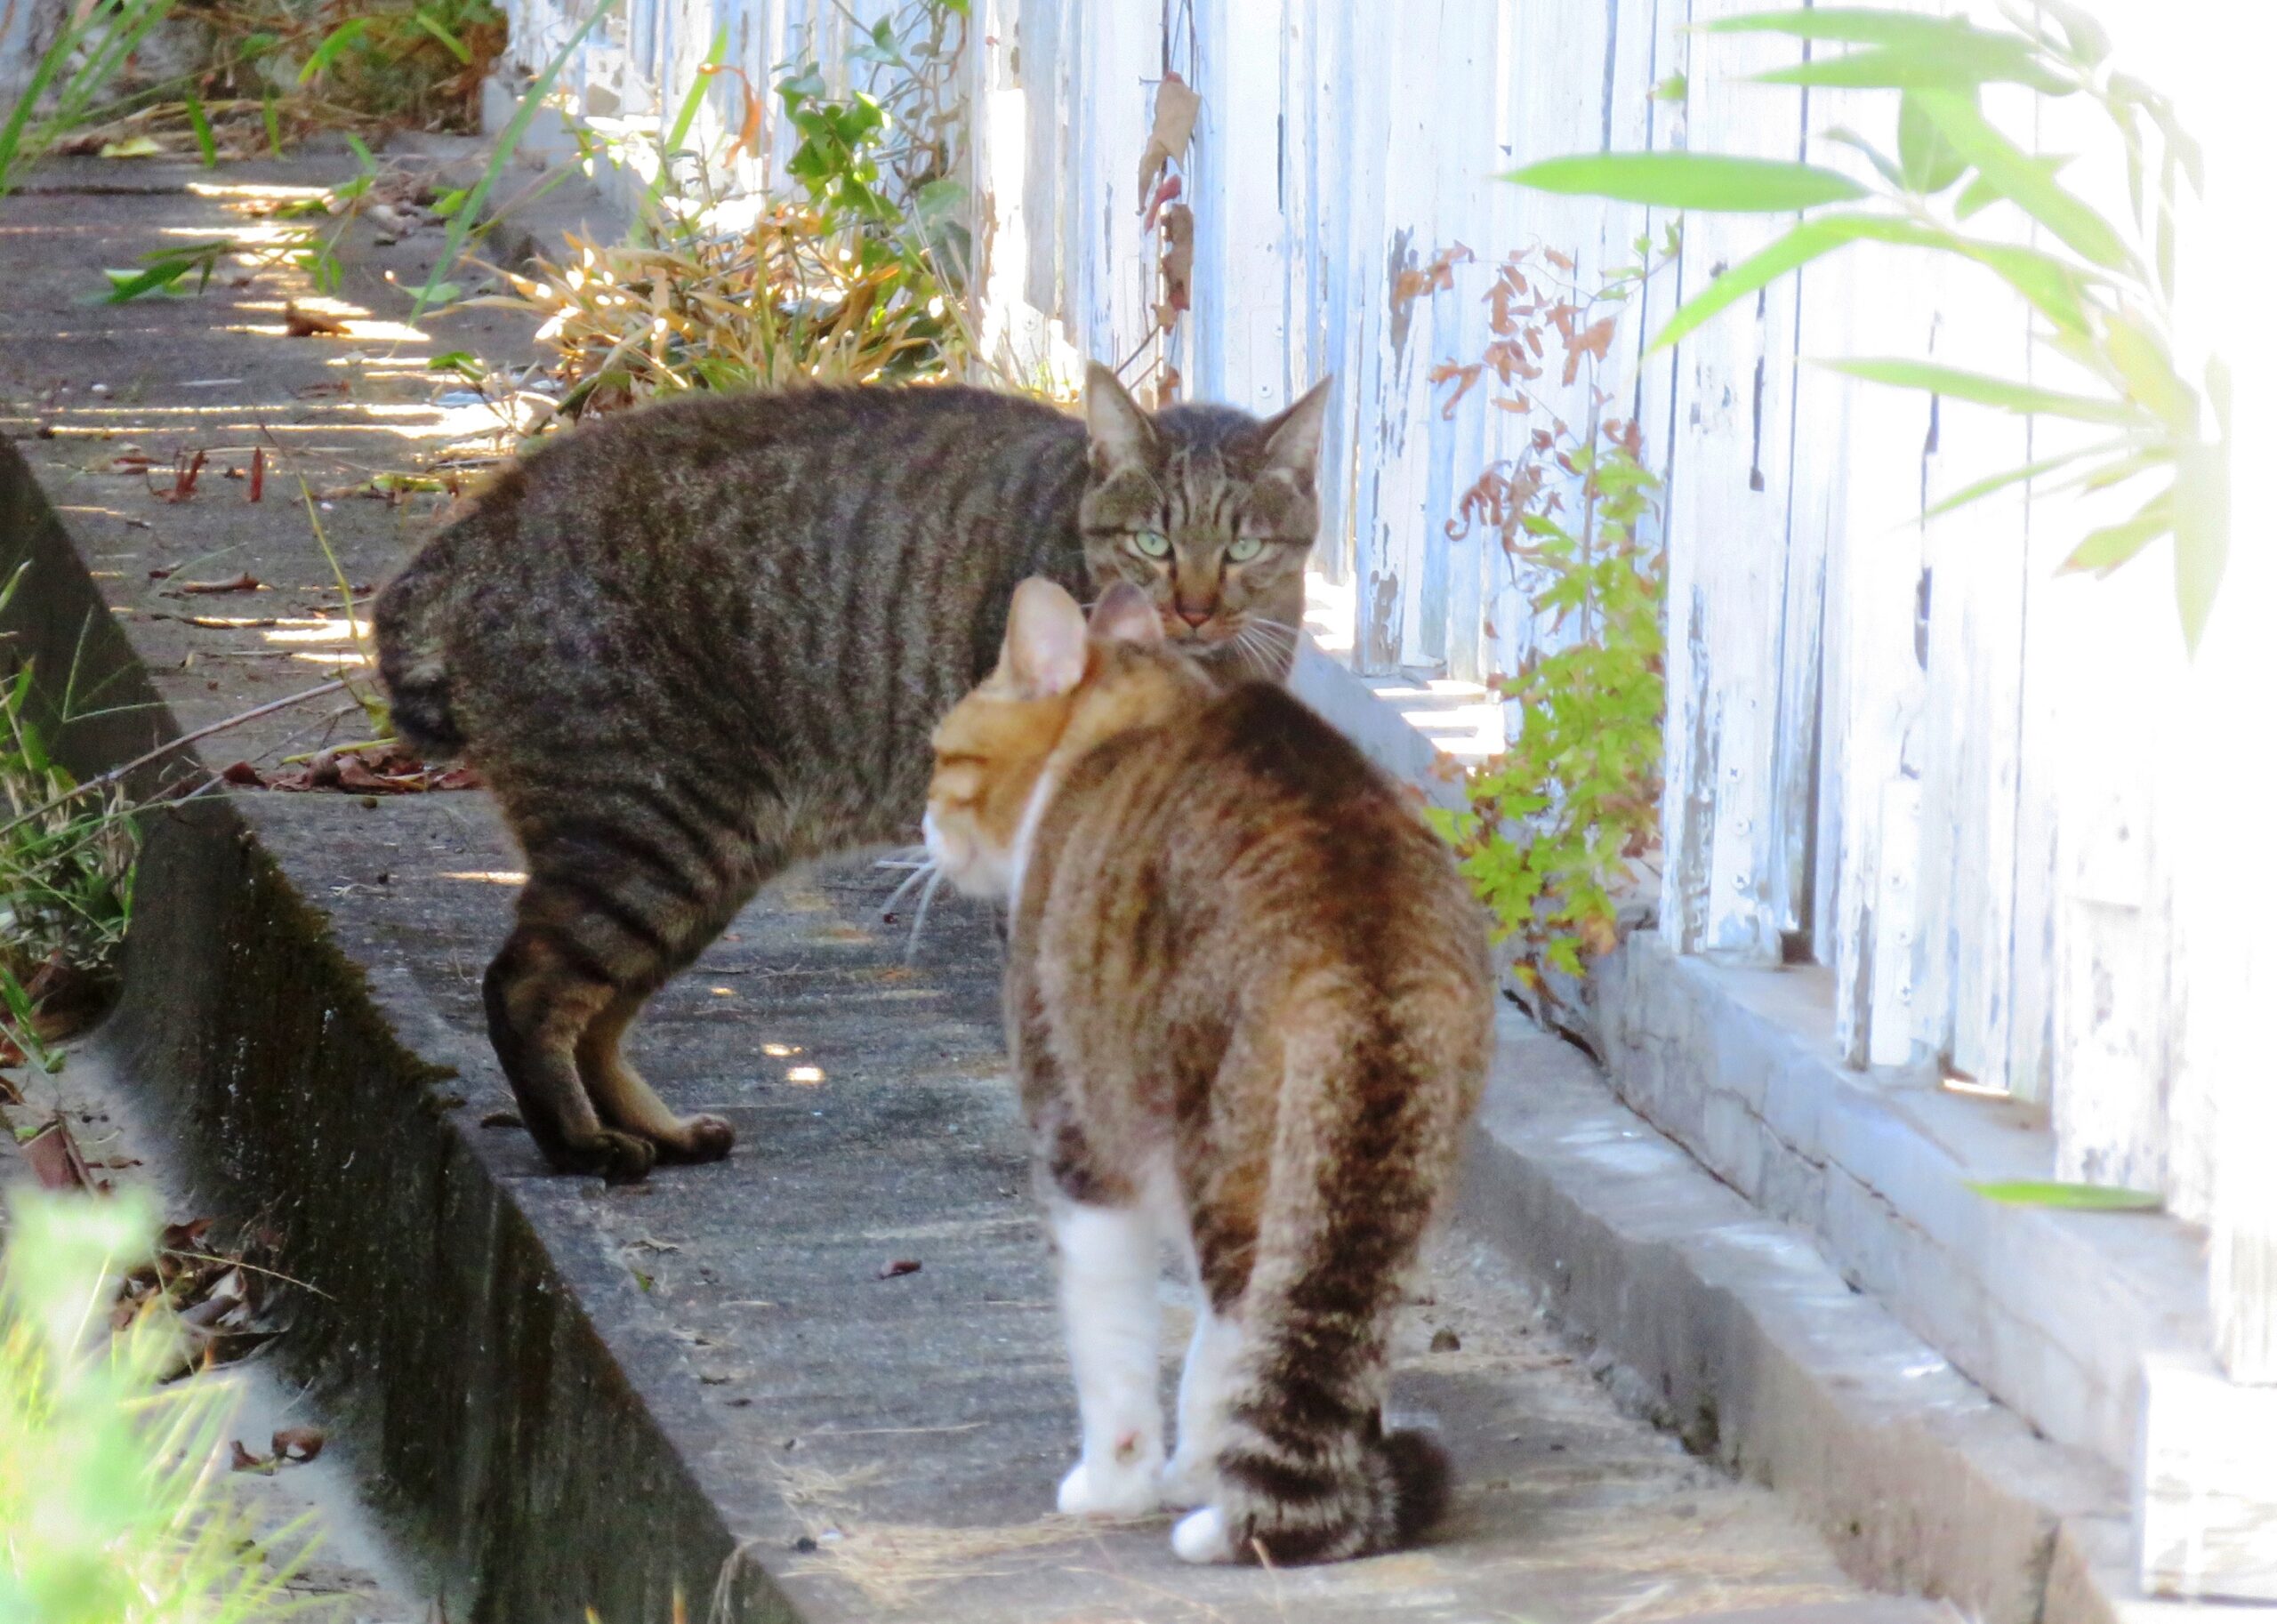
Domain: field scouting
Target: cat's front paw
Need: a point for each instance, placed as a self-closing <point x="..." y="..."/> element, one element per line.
<point x="1112" y="1489"/>
<point x="1201" y="1537"/>
<point x="1189" y="1481"/>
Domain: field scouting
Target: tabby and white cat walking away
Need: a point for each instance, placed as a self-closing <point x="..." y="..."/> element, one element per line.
<point x="1249" y="1005"/>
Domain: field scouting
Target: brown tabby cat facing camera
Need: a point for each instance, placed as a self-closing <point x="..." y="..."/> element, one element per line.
<point x="1250" y="1006"/>
<point x="692" y="644"/>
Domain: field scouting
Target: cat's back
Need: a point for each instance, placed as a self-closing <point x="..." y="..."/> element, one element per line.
<point x="717" y="455"/>
<point x="1252" y="839"/>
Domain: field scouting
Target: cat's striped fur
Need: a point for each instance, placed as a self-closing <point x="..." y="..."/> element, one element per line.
<point x="692" y="644"/>
<point x="1250" y="1007"/>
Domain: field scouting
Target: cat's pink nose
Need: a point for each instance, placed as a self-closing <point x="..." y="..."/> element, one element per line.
<point x="1194" y="617"/>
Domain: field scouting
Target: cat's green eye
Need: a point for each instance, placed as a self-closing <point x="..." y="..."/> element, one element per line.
<point x="1150" y="544"/>
<point x="1245" y="549"/>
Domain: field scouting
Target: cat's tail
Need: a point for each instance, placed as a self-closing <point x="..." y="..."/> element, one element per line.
<point x="1306" y="1471"/>
<point x="409" y="627"/>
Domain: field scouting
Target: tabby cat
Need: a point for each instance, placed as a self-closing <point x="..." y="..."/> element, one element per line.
<point x="691" y="645"/>
<point x="1250" y="1007"/>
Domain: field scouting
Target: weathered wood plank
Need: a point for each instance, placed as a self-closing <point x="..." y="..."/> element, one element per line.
<point x="1728" y="540"/>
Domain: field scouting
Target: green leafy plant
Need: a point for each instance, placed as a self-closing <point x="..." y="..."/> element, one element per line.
<point x="67" y="876"/>
<point x="2102" y="290"/>
<point x="857" y="281"/>
<point x="79" y="65"/>
<point x="1552" y="824"/>
<point x="115" y="1490"/>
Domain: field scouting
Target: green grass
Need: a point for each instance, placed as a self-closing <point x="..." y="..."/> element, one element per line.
<point x="117" y="1505"/>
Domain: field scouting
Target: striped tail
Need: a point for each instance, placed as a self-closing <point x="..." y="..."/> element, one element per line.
<point x="1306" y="1471"/>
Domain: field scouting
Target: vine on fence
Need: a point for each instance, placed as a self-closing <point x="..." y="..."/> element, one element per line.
<point x="1555" y="824"/>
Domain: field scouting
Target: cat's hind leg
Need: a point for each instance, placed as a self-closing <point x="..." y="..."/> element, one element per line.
<point x="609" y="915"/>
<point x="1109" y="1265"/>
<point x="1204" y="1394"/>
<point x="627" y="1103"/>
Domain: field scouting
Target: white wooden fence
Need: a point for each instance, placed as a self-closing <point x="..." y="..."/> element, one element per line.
<point x="1983" y="796"/>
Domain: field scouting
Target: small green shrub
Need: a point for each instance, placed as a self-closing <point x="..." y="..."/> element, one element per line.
<point x="1554" y="823"/>
<point x="66" y="875"/>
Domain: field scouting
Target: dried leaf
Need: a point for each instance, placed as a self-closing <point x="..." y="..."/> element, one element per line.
<point x="247" y="582"/>
<point x="1177" y="257"/>
<point x="1176" y="108"/>
<point x="297" y="1444"/>
<point x="309" y="324"/>
<point x="53" y="1156"/>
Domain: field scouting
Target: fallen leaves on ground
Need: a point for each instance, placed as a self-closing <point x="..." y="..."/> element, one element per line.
<point x="219" y="1296"/>
<point x="392" y="771"/>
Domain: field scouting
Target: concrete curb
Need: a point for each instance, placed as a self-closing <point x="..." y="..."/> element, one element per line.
<point x="1738" y="1333"/>
<point x="448" y="1337"/>
<point x="2054" y="1312"/>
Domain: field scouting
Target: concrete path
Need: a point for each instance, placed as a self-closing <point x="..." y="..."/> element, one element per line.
<point x="884" y="1442"/>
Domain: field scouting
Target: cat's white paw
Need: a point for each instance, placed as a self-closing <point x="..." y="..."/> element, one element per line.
<point x="1112" y="1489"/>
<point x="1201" y="1537"/>
<point x="1189" y="1481"/>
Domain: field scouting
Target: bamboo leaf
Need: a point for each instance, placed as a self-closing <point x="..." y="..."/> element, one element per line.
<point x="1924" y="157"/>
<point x="2147" y="370"/>
<point x="1863" y="25"/>
<point x="2014" y="175"/>
<point x="2070" y="1197"/>
<point x="2105" y="549"/>
<point x="2201" y="536"/>
<point x="1984" y="390"/>
<point x="1889" y="171"/>
<point x="1985" y="487"/>
<point x="1879" y="68"/>
<point x="1708" y="181"/>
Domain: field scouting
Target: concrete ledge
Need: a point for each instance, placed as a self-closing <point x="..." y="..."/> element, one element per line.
<point x="1734" y="1327"/>
<point x="468" y="1371"/>
<point x="2053" y="1312"/>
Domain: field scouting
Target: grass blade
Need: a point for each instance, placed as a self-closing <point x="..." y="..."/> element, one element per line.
<point x="346" y="35"/>
<point x="509" y="141"/>
<point x="1708" y="181"/>
<point x="207" y="153"/>
<point x="451" y="42"/>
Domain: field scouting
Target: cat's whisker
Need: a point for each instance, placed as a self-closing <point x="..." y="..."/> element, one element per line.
<point x="917" y="872"/>
<point x="924" y="906"/>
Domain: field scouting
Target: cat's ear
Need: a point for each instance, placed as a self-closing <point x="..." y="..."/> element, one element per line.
<point x="1292" y="439"/>
<point x="1043" y="644"/>
<point x="1122" y="436"/>
<point x="1125" y="614"/>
